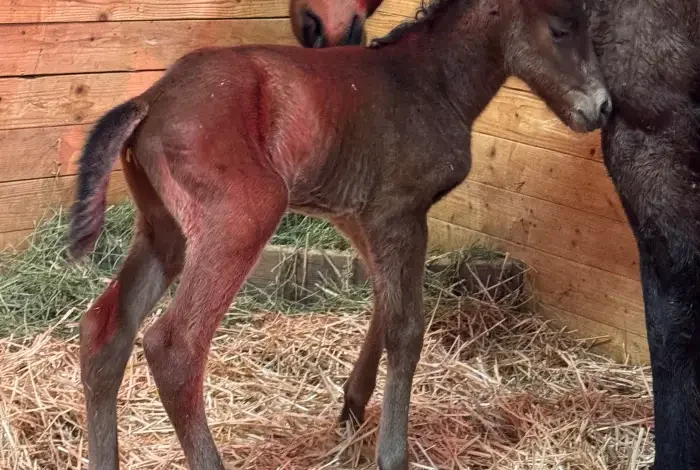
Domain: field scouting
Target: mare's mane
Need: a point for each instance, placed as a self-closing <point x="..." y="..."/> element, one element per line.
<point x="426" y="14"/>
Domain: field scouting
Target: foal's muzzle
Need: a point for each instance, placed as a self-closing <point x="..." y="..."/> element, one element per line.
<point x="315" y="35"/>
<point x="591" y="110"/>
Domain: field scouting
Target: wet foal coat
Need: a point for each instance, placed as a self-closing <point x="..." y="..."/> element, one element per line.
<point x="650" y="56"/>
<point x="229" y="139"/>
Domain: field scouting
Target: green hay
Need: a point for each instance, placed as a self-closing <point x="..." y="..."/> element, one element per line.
<point x="37" y="285"/>
<point x="298" y="230"/>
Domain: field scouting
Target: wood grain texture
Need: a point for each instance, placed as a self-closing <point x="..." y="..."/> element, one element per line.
<point x="64" y="11"/>
<point x="384" y="20"/>
<point x="570" y="181"/>
<point x="41" y="152"/>
<point x="520" y="116"/>
<point x="400" y="8"/>
<point x="125" y="46"/>
<point x="618" y="344"/>
<point x="592" y="293"/>
<point x="569" y="233"/>
<point x="63" y="48"/>
<point x="17" y="240"/>
<point x="24" y="203"/>
<point x="66" y="99"/>
<point x="388" y="15"/>
<point x="306" y="269"/>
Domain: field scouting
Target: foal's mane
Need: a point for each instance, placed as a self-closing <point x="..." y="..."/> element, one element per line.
<point x="425" y="15"/>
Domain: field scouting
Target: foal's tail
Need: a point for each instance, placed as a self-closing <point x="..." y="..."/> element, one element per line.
<point x="104" y="144"/>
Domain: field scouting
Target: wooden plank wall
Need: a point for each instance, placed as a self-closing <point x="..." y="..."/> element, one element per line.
<point x="536" y="190"/>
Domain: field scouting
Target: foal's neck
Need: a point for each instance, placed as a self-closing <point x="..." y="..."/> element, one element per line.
<point x="457" y="53"/>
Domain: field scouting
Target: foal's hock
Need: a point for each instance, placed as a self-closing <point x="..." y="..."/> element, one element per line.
<point x="231" y="138"/>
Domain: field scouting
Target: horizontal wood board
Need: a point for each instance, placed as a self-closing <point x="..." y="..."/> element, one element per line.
<point x="536" y="188"/>
<point x="72" y="11"/>
<point x="591" y="301"/>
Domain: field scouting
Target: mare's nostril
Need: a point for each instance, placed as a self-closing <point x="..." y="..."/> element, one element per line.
<point x="312" y="28"/>
<point x="606" y="107"/>
<point x="355" y="31"/>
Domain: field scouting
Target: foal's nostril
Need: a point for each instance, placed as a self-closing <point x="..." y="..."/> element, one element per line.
<point x="312" y="30"/>
<point x="355" y="31"/>
<point x="606" y="108"/>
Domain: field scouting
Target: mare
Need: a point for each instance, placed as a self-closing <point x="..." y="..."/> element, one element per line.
<point x="649" y="52"/>
<point x="229" y="139"/>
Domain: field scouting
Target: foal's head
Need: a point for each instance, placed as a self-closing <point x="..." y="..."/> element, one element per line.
<point x="323" y="23"/>
<point x="546" y="43"/>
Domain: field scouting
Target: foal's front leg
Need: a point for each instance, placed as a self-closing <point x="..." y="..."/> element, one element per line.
<point x="398" y="245"/>
<point x="363" y="379"/>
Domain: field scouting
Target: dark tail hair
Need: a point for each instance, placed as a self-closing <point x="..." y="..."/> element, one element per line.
<point x="103" y="146"/>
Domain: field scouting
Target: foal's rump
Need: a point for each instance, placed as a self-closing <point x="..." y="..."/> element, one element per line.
<point x="188" y="131"/>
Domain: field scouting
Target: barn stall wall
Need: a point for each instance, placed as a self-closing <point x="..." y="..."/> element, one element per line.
<point x="536" y="190"/>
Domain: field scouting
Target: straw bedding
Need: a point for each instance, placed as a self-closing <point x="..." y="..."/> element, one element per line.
<point x="495" y="388"/>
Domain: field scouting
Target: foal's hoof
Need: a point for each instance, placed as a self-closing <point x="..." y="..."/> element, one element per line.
<point x="353" y="413"/>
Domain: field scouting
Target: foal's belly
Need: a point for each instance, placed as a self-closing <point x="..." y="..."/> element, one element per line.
<point x="341" y="186"/>
<point x="324" y="207"/>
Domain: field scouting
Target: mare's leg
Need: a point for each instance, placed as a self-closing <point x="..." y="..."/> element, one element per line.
<point x="654" y="172"/>
<point x="235" y="225"/>
<point x="672" y="304"/>
<point x="363" y="379"/>
<point x="108" y="328"/>
<point x="398" y="244"/>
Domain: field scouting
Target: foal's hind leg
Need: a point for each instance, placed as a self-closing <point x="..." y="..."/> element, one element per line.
<point x="398" y="245"/>
<point x="234" y="230"/>
<point x="108" y="328"/>
<point x="363" y="379"/>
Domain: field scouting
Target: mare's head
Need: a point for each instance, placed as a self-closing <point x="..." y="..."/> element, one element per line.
<point x="324" y="23"/>
<point x="546" y="43"/>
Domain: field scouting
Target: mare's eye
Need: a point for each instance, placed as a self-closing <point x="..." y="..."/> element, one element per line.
<point x="558" y="33"/>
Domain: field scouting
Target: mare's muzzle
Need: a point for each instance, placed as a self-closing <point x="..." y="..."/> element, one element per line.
<point x="315" y="35"/>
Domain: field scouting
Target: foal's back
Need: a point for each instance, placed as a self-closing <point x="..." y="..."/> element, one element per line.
<point x="276" y="100"/>
<point x="332" y="123"/>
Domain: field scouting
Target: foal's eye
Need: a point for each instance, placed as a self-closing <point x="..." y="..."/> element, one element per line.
<point x="558" y="33"/>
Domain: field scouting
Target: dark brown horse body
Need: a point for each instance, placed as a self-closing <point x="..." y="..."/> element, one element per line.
<point x="650" y="55"/>
<point x="229" y="139"/>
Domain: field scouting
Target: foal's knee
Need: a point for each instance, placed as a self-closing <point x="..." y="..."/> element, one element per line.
<point x="158" y="346"/>
<point x="176" y="369"/>
<point x="404" y="335"/>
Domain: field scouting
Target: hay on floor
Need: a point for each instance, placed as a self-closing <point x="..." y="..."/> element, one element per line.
<point x="495" y="389"/>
